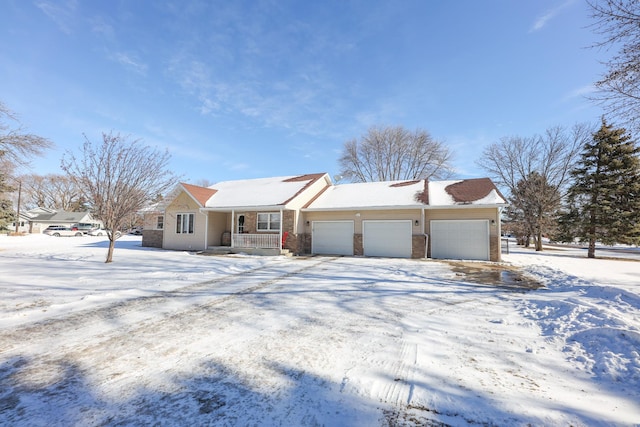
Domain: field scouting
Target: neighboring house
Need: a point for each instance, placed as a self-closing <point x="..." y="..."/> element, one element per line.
<point x="153" y="225"/>
<point x="41" y="218"/>
<point x="308" y="214"/>
<point x="24" y="224"/>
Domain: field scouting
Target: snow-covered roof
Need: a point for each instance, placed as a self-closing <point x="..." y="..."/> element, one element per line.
<point x="50" y="215"/>
<point x="278" y="191"/>
<point x="275" y="191"/>
<point x="388" y="194"/>
<point x="408" y="194"/>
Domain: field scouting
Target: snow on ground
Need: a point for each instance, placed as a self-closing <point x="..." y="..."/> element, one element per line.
<point x="174" y="338"/>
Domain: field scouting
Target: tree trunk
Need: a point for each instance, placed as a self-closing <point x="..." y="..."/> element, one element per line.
<point x="591" y="253"/>
<point x="539" y="240"/>
<point x="112" y="244"/>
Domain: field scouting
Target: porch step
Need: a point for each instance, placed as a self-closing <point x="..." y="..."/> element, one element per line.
<point x="225" y="250"/>
<point x="216" y="250"/>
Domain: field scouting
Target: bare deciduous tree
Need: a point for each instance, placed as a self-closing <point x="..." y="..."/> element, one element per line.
<point x="118" y="177"/>
<point x="51" y="191"/>
<point x="16" y="145"/>
<point x="16" y="149"/>
<point x="393" y="153"/>
<point x="536" y="171"/>
<point x="618" y="21"/>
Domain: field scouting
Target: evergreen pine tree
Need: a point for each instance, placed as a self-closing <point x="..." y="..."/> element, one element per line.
<point x="604" y="201"/>
<point x="7" y="215"/>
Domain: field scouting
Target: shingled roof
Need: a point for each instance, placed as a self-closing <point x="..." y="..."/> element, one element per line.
<point x="200" y="194"/>
<point x="275" y="191"/>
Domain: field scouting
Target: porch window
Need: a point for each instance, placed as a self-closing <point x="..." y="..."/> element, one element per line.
<point x="160" y="222"/>
<point x="269" y="222"/>
<point x="184" y="223"/>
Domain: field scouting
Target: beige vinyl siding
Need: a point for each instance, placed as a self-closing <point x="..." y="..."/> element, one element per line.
<point x="218" y="223"/>
<point x="301" y="200"/>
<point x="150" y="221"/>
<point x="363" y="215"/>
<point x="183" y="204"/>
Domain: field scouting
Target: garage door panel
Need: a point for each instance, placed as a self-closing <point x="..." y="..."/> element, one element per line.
<point x="387" y="238"/>
<point x="460" y="239"/>
<point x="332" y="237"/>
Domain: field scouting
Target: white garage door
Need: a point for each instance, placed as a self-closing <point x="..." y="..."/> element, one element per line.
<point x="332" y="237"/>
<point x="387" y="238"/>
<point x="457" y="239"/>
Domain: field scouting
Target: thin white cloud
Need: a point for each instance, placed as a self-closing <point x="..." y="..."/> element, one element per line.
<point x="100" y="27"/>
<point x="542" y="21"/>
<point x="580" y="92"/>
<point x="60" y="12"/>
<point x="130" y="62"/>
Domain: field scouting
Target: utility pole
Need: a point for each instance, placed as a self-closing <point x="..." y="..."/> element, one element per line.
<point x="18" y="209"/>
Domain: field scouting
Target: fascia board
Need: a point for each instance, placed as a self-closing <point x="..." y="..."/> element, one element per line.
<point x="467" y="206"/>
<point x="365" y="208"/>
<point x="244" y="208"/>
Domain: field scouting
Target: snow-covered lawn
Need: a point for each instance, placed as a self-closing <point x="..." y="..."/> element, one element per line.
<point x="174" y="338"/>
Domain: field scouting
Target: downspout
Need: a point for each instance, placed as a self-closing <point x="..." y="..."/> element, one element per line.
<point x="499" y="219"/>
<point x="426" y="236"/>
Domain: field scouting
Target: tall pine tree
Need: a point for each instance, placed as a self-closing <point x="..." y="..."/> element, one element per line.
<point x="604" y="201"/>
<point x="7" y="214"/>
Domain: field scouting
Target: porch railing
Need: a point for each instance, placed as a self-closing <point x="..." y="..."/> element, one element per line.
<point x="262" y="241"/>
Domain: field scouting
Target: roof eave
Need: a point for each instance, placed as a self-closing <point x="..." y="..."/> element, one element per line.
<point x="365" y="208"/>
<point x="468" y="206"/>
<point x="243" y="208"/>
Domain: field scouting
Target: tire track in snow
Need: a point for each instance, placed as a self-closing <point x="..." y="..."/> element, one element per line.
<point x="106" y="317"/>
<point x="102" y="358"/>
<point x="399" y="391"/>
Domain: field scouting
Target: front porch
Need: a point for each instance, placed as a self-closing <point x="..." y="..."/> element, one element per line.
<point x="227" y="250"/>
<point x="257" y="241"/>
<point x="250" y="232"/>
<point x="250" y="244"/>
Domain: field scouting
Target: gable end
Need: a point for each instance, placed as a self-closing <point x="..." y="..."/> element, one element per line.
<point x="311" y="177"/>
<point x="199" y="194"/>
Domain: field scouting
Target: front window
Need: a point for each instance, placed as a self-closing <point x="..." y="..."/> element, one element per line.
<point x="184" y="223"/>
<point x="160" y="222"/>
<point x="268" y="222"/>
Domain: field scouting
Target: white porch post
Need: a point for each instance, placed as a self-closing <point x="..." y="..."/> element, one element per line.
<point x="281" y="223"/>
<point x="233" y="223"/>
<point x="206" y="230"/>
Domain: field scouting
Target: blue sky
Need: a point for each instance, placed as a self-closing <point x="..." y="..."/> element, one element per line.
<point x="244" y="89"/>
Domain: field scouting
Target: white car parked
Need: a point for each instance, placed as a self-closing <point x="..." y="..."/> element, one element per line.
<point x="59" y="230"/>
<point x="102" y="232"/>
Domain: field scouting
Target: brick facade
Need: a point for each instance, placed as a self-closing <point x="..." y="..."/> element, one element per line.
<point x="304" y="243"/>
<point x="494" y="248"/>
<point x="152" y="238"/>
<point x="288" y="220"/>
<point x="358" y="247"/>
<point x="418" y="246"/>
